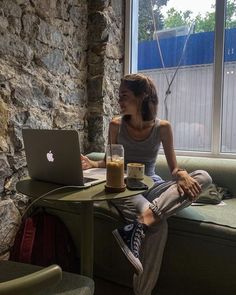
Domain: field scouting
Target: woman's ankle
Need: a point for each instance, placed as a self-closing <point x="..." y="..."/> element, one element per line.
<point x="148" y="217"/>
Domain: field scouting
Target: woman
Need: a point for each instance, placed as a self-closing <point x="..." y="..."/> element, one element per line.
<point x="141" y="133"/>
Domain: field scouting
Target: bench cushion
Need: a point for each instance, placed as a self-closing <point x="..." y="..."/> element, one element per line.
<point x="201" y="247"/>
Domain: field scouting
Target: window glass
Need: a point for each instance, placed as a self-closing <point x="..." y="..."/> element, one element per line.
<point x="228" y="143"/>
<point x="176" y="49"/>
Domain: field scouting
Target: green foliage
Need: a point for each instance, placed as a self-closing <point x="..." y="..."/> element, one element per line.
<point x="176" y="18"/>
<point x="203" y="23"/>
<point x="206" y="23"/>
<point x="146" y="24"/>
<point x="231" y="14"/>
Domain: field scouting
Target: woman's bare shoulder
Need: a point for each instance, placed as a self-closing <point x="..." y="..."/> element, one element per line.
<point x="114" y="128"/>
<point x="164" y="124"/>
<point x="165" y="129"/>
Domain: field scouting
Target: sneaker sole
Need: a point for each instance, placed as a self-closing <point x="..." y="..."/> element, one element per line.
<point x="128" y="254"/>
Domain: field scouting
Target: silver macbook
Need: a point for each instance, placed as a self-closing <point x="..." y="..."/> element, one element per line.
<point x="54" y="156"/>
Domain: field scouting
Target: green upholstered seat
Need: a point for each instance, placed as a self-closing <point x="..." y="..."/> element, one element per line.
<point x="25" y="279"/>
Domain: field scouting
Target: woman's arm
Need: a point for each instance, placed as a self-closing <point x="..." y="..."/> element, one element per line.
<point x="87" y="163"/>
<point x="113" y="133"/>
<point x="166" y="137"/>
<point x="186" y="184"/>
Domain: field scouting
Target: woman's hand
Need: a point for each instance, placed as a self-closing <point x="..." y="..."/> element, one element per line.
<point x="86" y="162"/>
<point x="187" y="185"/>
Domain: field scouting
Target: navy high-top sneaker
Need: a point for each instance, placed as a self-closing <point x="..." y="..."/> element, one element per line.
<point x="129" y="239"/>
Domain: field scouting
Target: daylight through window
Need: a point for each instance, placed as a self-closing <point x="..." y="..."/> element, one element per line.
<point x="189" y="49"/>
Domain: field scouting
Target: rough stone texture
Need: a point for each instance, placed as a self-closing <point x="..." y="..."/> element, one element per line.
<point x="105" y="67"/>
<point x="60" y="66"/>
<point x="43" y="73"/>
<point x="10" y="221"/>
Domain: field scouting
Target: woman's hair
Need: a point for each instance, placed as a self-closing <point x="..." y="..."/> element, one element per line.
<point x="145" y="90"/>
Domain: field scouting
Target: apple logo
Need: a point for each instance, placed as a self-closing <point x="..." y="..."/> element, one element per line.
<point x="50" y="156"/>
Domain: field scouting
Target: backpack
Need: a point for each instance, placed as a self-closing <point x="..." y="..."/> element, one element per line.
<point x="43" y="239"/>
<point x="214" y="194"/>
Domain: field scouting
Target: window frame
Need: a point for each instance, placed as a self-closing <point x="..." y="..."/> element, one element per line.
<point x="130" y="66"/>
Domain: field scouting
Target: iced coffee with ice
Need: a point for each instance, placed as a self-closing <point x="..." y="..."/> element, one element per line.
<point x="115" y="168"/>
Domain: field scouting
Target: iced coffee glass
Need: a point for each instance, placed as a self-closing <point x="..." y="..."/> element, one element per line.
<point x="115" y="168"/>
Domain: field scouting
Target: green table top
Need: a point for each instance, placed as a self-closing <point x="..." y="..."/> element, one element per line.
<point x="35" y="189"/>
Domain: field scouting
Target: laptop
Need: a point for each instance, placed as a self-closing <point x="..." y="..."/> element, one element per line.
<point x="54" y="156"/>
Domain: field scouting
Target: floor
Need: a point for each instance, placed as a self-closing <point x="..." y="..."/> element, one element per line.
<point x="103" y="287"/>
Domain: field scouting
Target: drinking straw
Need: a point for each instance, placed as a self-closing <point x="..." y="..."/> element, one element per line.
<point x="109" y="142"/>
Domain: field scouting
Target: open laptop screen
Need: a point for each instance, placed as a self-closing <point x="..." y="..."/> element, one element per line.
<point x="54" y="156"/>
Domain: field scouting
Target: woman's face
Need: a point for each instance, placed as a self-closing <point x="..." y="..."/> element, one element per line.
<point x="128" y="101"/>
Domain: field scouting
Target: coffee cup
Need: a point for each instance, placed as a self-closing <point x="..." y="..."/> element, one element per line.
<point x="135" y="170"/>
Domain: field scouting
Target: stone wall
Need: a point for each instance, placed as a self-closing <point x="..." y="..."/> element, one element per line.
<point x="105" y="67"/>
<point x="60" y="66"/>
<point x="43" y="73"/>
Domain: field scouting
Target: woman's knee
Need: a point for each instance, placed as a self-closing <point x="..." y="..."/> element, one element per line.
<point x="202" y="177"/>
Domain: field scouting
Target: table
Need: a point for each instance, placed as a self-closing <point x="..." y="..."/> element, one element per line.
<point x="83" y="200"/>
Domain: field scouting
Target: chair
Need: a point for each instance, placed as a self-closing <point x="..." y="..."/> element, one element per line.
<point x="32" y="283"/>
<point x="26" y="279"/>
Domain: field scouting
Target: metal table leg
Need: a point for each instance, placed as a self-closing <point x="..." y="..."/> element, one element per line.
<point x="87" y="239"/>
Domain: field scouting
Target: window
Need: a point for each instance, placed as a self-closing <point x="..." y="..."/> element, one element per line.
<point x="228" y="143"/>
<point x="189" y="50"/>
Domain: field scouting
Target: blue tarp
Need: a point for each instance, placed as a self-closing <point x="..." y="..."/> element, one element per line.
<point x="199" y="50"/>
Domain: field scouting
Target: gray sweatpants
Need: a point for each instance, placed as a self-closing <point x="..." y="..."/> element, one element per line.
<point x="168" y="201"/>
